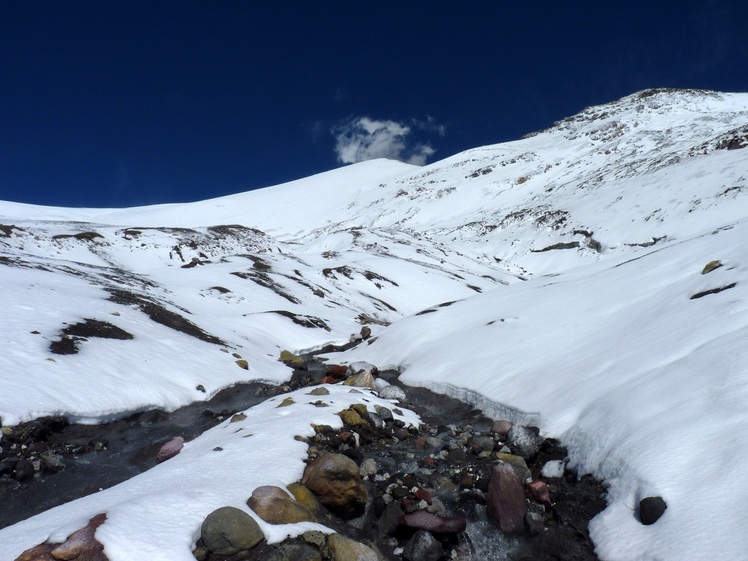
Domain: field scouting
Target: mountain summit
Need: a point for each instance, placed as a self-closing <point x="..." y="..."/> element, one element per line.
<point x="590" y="278"/>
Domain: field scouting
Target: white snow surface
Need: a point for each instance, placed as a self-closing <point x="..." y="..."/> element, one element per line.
<point x="546" y="280"/>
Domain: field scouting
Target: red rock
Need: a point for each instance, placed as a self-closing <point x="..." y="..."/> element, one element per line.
<point x="336" y="371"/>
<point x="507" y="504"/>
<point x="539" y="492"/>
<point x="434" y="523"/>
<point x="170" y="449"/>
<point x="423" y="495"/>
<point x="80" y="545"/>
<point x="330" y="380"/>
<point x="420" y="443"/>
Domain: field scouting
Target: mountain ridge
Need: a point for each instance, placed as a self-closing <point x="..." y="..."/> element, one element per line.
<point x="560" y="276"/>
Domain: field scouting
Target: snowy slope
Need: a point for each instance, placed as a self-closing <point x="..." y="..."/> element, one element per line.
<point x="572" y="256"/>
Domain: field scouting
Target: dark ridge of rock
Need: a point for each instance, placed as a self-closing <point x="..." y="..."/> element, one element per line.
<point x="560" y="245"/>
<point x="262" y="279"/>
<point x="82" y="236"/>
<point x="220" y="289"/>
<point x="302" y="319"/>
<point x="73" y="334"/>
<point x="713" y="291"/>
<point x="158" y="313"/>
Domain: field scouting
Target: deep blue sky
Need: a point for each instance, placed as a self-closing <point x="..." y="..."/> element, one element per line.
<point x="123" y="103"/>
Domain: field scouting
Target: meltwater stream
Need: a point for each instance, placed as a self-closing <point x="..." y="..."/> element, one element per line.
<point x="100" y="456"/>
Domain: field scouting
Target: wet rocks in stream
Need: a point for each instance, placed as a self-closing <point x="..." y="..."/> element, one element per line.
<point x="460" y="486"/>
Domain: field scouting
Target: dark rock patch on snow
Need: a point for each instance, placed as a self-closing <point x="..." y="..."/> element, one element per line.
<point x="72" y="335"/>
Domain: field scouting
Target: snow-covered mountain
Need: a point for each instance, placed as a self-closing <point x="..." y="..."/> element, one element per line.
<point x="560" y="277"/>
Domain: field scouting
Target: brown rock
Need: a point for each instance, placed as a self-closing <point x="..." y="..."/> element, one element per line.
<point x="507" y="504"/>
<point x="275" y="506"/>
<point x="501" y="427"/>
<point x="336" y="481"/>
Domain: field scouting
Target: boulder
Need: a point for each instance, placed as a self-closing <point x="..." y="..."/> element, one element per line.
<point x="170" y="449"/>
<point x="361" y="367"/>
<point x="292" y="360"/>
<point x="393" y="393"/>
<point x="434" y="523"/>
<point x="423" y="546"/>
<point x="305" y="497"/>
<point x="351" y="418"/>
<point x="346" y="549"/>
<point x="228" y="530"/>
<point x="501" y="427"/>
<point x="507" y="504"/>
<point x="524" y="441"/>
<point x="651" y="509"/>
<point x="362" y="380"/>
<point x="336" y="480"/>
<point x="275" y="506"/>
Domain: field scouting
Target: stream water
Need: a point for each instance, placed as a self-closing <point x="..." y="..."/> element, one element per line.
<point x="100" y="456"/>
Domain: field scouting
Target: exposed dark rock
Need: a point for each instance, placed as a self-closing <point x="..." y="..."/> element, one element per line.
<point x="713" y="291"/>
<point x="651" y="509"/>
<point x="158" y="313"/>
<point x="73" y="334"/>
<point x="560" y="245"/>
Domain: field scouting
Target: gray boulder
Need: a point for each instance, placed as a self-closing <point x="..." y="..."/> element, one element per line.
<point x="228" y="530"/>
<point x="423" y="546"/>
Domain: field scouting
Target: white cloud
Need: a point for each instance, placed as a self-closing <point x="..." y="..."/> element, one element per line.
<point x="362" y="139"/>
